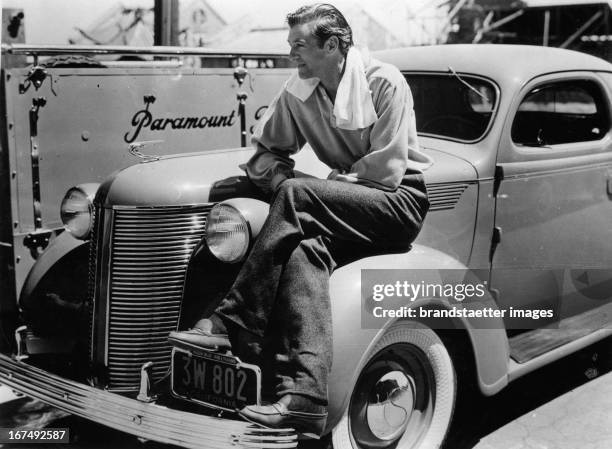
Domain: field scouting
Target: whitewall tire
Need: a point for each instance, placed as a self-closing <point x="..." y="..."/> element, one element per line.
<point x="404" y="396"/>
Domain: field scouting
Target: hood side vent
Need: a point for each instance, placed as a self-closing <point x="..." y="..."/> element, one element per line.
<point x="445" y="196"/>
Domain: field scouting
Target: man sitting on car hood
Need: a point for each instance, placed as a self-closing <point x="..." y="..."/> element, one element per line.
<point x="357" y="116"/>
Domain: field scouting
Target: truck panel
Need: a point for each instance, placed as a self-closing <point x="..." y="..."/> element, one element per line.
<point x="78" y="124"/>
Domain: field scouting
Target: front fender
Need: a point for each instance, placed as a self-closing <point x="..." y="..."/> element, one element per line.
<point x="352" y="343"/>
<point x="55" y="289"/>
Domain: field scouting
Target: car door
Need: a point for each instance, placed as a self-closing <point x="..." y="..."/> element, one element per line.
<point x="553" y="219"/>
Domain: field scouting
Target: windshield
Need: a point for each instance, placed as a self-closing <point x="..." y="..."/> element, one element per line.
<point x="452" y="106"/>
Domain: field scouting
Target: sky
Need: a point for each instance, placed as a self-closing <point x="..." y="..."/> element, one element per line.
<point x="54" y="21"/>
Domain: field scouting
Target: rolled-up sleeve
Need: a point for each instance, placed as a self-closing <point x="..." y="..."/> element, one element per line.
<point x="392" y="136"/>
<point x="276" y="138"/>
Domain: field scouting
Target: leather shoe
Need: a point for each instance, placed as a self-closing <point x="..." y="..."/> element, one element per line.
<point x="208" y="333"/>
<point x="292" y="410"/>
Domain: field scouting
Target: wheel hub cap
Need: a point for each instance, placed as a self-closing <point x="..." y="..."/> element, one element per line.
<point x="390" y="405"/>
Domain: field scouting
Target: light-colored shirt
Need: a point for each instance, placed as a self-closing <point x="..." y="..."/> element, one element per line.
<point x="377" y="155"/>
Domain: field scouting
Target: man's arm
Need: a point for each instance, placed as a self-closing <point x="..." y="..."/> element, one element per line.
<point x="393" y="136"/>
<point x="276" y="138"/>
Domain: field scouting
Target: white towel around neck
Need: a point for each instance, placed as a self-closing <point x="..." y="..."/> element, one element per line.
<point x="353" y="106"/>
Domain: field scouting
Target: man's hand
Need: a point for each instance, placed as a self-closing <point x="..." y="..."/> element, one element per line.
<point x="335" y="175"/>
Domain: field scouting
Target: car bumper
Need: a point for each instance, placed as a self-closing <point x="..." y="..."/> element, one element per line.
<point x="144" y="420"/>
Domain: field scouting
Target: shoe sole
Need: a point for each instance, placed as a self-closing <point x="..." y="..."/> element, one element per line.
<point x="301" y="432"/>
<point x="191" y="346"/>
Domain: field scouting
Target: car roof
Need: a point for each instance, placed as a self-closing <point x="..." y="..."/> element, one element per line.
<point x="506" y="64"/>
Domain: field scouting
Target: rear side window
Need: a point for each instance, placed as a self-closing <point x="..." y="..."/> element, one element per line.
<point x="562" y="112"/>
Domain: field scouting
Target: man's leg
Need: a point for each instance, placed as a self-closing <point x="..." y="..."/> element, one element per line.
<point x="303" y="318"/>
<point x="301" y="312"/>
<point x="303" y="322"/>
<point x="310" y="208"/>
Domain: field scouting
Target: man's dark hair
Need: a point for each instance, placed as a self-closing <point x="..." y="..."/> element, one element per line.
<point x="328" y="22"/>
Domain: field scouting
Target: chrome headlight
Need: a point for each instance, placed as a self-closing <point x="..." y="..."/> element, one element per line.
<point x="76" y="210"/>
<point x="227" y="233"/>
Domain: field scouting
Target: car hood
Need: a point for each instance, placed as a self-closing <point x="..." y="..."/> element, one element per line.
<point x="198" y="178"/>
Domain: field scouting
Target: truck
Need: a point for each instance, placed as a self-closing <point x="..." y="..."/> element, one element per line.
<point x="58" y="131"/>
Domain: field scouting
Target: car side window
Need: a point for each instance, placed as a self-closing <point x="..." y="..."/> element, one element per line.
<point x="561" y="112"/>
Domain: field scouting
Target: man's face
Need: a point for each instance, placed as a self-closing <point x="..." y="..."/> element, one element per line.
<point x="305" y="51"/>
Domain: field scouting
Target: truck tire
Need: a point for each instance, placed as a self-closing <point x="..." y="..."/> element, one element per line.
<point x="404" y="396"/>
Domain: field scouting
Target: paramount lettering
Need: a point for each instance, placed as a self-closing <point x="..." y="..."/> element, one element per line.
<point x="144" y="119"/>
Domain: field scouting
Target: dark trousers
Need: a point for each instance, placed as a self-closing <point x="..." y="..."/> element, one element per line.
<point x="313" y="226"/>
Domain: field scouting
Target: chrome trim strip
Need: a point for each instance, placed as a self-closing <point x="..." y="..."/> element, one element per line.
<point x="108" y="278"/>
<point x="50" y="50"/>
<point x="92" y="281"/>
<point x="144" y="420"/>
<point x="160" y="208"/>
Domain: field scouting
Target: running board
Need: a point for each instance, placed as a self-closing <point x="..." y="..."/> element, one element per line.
<point x="529" y="345"/>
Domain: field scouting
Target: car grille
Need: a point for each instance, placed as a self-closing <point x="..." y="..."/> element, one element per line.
<point x="149" y="252"/>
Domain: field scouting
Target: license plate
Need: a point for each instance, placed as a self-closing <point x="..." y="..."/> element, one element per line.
<point x="215" y="379"/>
